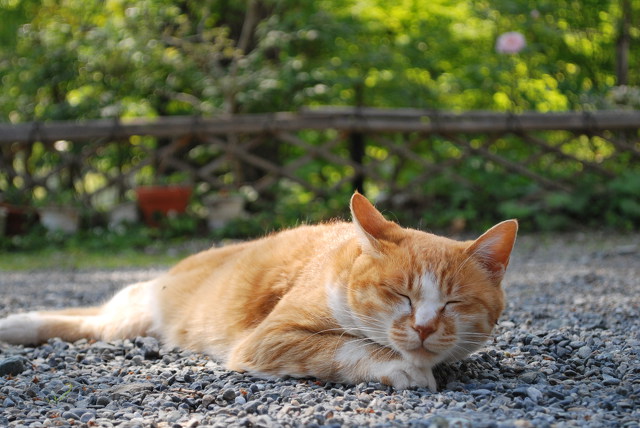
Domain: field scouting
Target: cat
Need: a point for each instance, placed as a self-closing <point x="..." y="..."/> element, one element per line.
<point x="346" y="302"/>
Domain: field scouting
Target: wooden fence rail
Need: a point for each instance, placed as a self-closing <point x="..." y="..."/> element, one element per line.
<point x="365" y="120"/>
<point x="407" y="157"/>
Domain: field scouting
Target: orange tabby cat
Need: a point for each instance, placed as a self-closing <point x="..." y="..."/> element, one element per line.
<point x="345" y="302"/>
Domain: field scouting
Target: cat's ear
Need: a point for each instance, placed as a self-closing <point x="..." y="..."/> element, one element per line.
<point x="370" y="224"/>
<point x="493" y="248"/>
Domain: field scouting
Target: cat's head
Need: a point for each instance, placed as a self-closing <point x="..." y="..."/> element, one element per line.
<point x="429" y="298"/>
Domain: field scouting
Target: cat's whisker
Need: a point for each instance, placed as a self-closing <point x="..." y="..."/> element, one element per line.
<point x="476" y="340"/>
<point x="361" y="317"/>
<point x="359" y="331"/>
<point x="329" y="330"/>
<point x="389" y="354"/>
<point x="371" y="329"/>
<point x="365" y="342"/>
<point x="473" y="334"/>
<point x="466" y="347"/>
<point x="470" y="342"/>
<point x="384" y="353"/>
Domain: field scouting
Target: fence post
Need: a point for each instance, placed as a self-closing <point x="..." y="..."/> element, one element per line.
<point x="356" y="141"/>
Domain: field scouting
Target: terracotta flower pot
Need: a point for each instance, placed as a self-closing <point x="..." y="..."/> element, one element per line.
<point x="157" y="201"/>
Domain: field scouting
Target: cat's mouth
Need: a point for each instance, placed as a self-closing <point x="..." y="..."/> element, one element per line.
<point x="428" y="352"/>
<point x="417" y="351"/>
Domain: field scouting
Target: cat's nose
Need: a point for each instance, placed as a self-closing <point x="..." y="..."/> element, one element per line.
<point x="424" y="331"/>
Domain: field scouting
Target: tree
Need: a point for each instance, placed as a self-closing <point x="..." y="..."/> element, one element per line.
<point x="150" y="57"/>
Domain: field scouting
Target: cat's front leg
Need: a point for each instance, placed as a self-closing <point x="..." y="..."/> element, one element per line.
<point x="382" y="364"/>
<point x="403" y="376"/>
<point x="326" y="356"/>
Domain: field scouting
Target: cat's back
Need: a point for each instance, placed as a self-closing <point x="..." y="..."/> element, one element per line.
<point x="213" y="297"/>
<point x="302" y="243"/>
<point x="299" y="244"/>
<point x="292" y="257"/>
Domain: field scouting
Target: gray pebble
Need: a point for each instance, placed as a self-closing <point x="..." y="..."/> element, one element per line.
<point x="150" y="347"/>
<point x="608" y="380"/>
<point x="481" y="392"/>
<point x="86" y="417"/>
<point x="229" y="395"/>
<point x="534" y="394"/>
<point x="173" y="416"/>
<point x="70" y="415"/>
<point x="252" y="406"/>
<point x="584" y="352"/>
<point x="207" y="399"/>
<point x="103" y="400"/>
<point x="13" y="366"/>
<point x="529" y="377"/>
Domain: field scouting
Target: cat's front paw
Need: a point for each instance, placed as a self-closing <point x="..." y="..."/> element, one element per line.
<point x="404" y="376"/>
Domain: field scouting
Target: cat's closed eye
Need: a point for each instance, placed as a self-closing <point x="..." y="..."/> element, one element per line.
<point x="407" y="298"/>
<point x="449" y="304"/>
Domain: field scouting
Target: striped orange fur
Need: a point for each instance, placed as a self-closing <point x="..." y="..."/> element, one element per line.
<point x="347" y="302"/>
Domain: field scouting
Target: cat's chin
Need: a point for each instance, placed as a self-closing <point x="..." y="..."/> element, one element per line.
<point x="421" y="357"/>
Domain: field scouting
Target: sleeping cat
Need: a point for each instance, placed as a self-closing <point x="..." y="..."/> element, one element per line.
<point x="343" y="302"/>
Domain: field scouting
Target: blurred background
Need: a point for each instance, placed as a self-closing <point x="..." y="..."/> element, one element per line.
<point x="255" y="115"/>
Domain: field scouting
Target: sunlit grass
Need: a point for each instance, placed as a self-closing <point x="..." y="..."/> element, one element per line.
<point x="76" y="258"/>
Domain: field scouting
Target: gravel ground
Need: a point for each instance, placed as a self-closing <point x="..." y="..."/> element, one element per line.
<point x="566" y="353"/>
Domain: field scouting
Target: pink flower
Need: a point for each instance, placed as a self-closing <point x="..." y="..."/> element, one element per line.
<point x="510" y="43"/>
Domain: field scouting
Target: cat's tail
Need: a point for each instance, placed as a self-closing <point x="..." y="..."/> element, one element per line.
<point x="128" y="314"/>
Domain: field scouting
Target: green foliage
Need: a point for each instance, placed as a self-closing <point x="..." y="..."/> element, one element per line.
<point x="56" y="399"/>
<point x="611" y="205"/>
<point x="143" y="58"/>
<point x="126" y="245"/>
